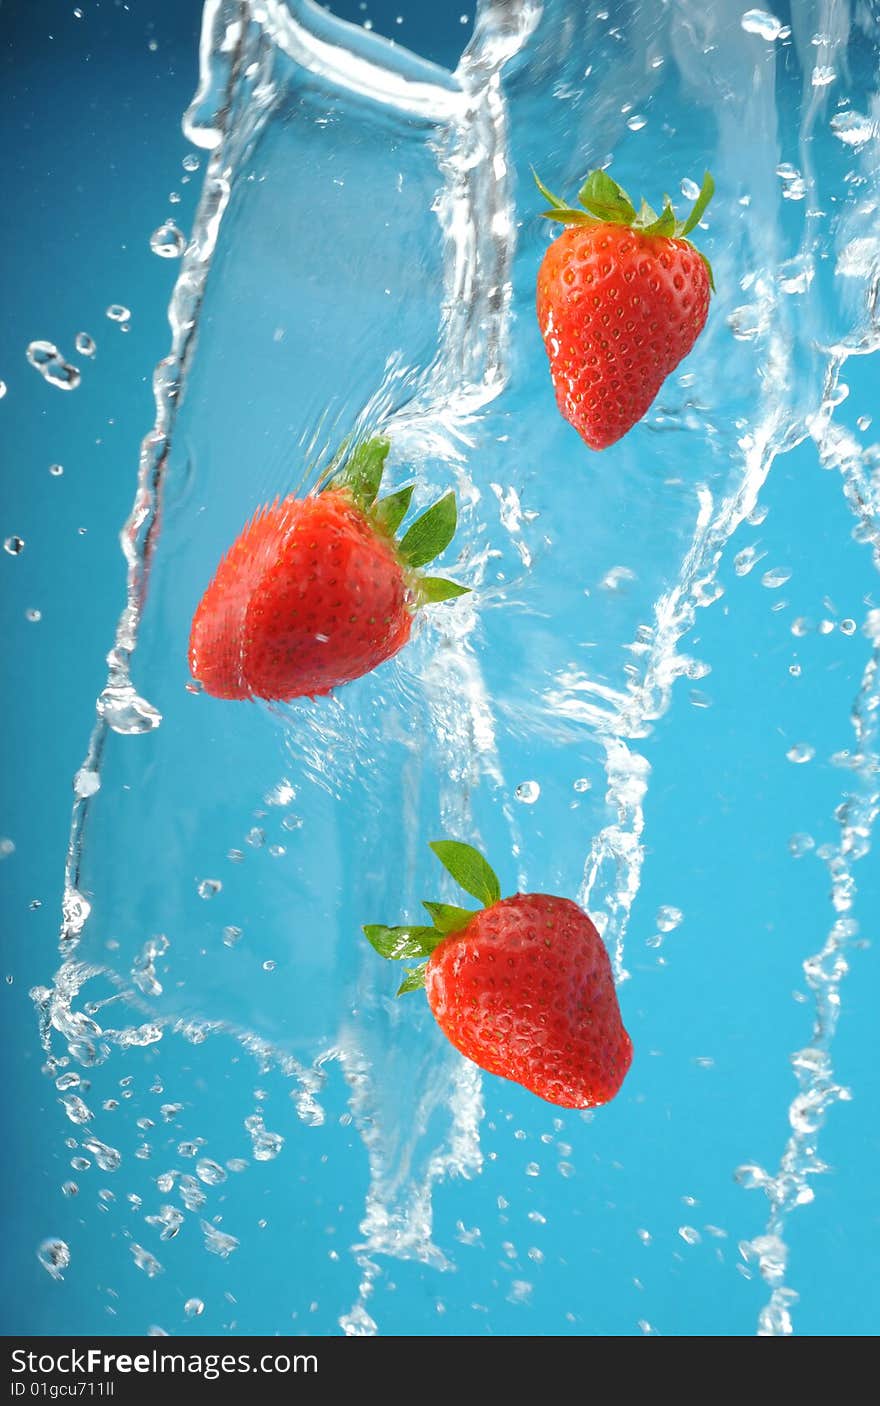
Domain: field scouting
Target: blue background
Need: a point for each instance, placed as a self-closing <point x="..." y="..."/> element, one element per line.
<point x="93" y="148"/>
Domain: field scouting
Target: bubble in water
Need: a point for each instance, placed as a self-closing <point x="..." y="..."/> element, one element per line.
<point x="256" y="837"/>
<point x="822" y="75"/>
<point x="54" y="1256"/>
<point x="636" y="122"/>
<point x="7" y="847"/>
<point x="33" y="615"/>
<point x="689" y="1235"/>
<point x="794" y="670"/>
<point x="617" y="579"/>
<point x="217" y="1242"/>
<point x="47" y="359"/>
<point x="211" y="1173"/>
<point x="800" y="844"/>
<point x="776" y="577"/>
<point x="145" y="1261"/>
<point x="668" y="918"/>
<point x="853" y="128"/>
<point x="528" y="792"/>
<point x="85" y="344"/>
<point x="167" y="1222"/>
<point x="746" y="560"/>
<point x="801" y="752"/>
<point x="194" y="1308"/>
<point x="14" y="546"/>
<point x="208" y="887"/>
<point x="269" y="966"/>
<point x="762" y="23"/>
<point x="76" y="1110"/>
<point x="69" y="1188"/>
<point x="848" y="627"/>
<point x="231" y="935"/>
<point x="2" y="389"/>
<point x="56" y="470"/>
<point x="191" y="1193"/>
<point x="107" y="1158"/>
<point x="117" y="312"/>
<point x="168" y="241"/>
<point x="747" y="322"/>
<point x="864" y="422"/>
<point x="266" y="1145"/>
<point x="125" y="712"/>
<point x="190" y="162"/>
<point x="582" y="784"/>
<point x="689" y="189"/>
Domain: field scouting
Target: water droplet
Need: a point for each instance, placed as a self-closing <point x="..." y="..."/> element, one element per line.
<point x="168" y="241"/>
<point x="47" y="359"/>
<point x="86" y="782"/>
<point x="528" y="792"/>
<point x="848" y="627"/>
<point x="668" y="918"/>
<point x="194" y="1308"/>
<point x="636" y="122"/>
<point x="762" y="23"/>
<point x="211" y="1173"/>
<point x="801" y="752"/>
<point x="117" y="312"/>
<point x="190" y="162"/>
<point x="54" y="1256"/>
<point x="145" y="1261"/>
<point x="776" y="577"/>
<point x="689" y="189"/>
<point x="208" y="887"/>
<point x="174" y="197"/>
<point x="864" y="422"/>
<point x="85" y="344"/>
<point x="14" y="546"/>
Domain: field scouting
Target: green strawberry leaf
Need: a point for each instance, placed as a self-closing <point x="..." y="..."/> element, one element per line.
<point x="389" y="512"/>
<point x="435" y="588"/>
<point x="604" y="198"/>
<point x="707" y="190"/>
<point x="431" y="533"/>
<point x="469" y="869"/>
<point x="397" y="944"/>
<point x="414" y="979"/>
<point x="708" y="270"/>
<point x="568" y="217"/>
<point x="646" y="216"/>
<point x="664" y="223"/>
<point x="363" y="472"/>
<point x="448" y="918"/>
<point x="552" y="200"/>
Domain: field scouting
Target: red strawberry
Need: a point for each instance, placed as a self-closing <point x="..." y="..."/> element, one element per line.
<point x="622" y="297"/>
<point x="523" y="987"/>
<point x="316" y="591"/>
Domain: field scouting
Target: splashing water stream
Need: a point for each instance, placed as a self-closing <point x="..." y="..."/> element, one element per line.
<point x="431" y="743"/>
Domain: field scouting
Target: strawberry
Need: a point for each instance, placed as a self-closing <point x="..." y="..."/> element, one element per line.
<point x="522" y="987"/>
<point x="622" y="297"/>
<point x="316" y="591"/>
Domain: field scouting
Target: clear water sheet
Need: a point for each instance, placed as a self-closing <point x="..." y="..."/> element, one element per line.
<point x="277" y="1137"/>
